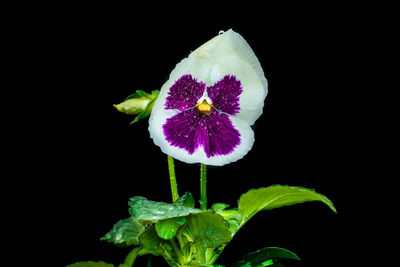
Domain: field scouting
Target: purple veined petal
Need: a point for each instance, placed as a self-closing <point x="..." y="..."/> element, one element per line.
<point x="182" y="130"/>
<point x="225" y="94"/>
<point x="184" y="93"/>
<point x="190" y="130"/>
<point x="220" y="136"/>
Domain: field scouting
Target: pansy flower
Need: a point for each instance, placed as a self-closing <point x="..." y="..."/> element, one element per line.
<point x="204" y="111"/>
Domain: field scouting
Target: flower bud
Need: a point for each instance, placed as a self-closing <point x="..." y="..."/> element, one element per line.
<point x="140" y="103"/>
<point x="133" y="106"/>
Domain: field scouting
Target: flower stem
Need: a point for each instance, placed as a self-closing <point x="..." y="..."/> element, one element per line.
<point x="130" y="259"/>
<point x="172" y="179"/>
<point x="203" y="187"/>
<point x="177" y="250"/>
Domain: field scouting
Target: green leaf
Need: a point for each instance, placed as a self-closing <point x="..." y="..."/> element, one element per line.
<point x="91" y="264"/>
<point x="150" y="240"/>
<point x="266" y="257"/>
<point x="186" y="200"/>
<point x="125" y="232"/>
<point x="219" y="206"/>
<point x="205" y="231"/>
<point x="152" y="211"/>
<point x="266" y="263"/>
<point x="166" y="229"/>
<point x="270" y="253"/>
<point x="208" y="227"/>
<point x="276" y="196"/>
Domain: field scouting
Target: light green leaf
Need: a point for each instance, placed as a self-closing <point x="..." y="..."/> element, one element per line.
<point x="91" y="264"/>
<point x="125" y="232"/>
<point x="186" y="200"/>
<point x="276" y="196"/>
<point x="266" y="263"/>
<point x="166" y="229"/>
<point x="152" y="211"/>
<point x="219" y="206"/>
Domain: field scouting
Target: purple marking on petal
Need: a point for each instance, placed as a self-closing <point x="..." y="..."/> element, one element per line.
<point x="221" y="137"/>
<point x="190" y="129"/>
<point x="182" y="130"/>
<point x="225" y="94"/>
<point x="184" y="93"/>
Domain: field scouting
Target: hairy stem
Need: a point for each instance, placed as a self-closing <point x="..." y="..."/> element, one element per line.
<point x="203" y="187"/>
<point x="172" y="179"/>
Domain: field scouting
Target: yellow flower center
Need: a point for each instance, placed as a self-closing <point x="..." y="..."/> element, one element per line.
<point x="205" y="108"/>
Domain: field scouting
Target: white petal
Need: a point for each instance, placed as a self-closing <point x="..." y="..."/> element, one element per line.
<point x="237" y="58"/>
<point x="224" y="54"/>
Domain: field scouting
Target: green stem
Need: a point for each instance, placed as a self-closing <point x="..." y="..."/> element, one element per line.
<point x="203" y="187"/>
<point x="177" y="250"/>
<point x="131" y="257"/>
<point x="172" y="179"/>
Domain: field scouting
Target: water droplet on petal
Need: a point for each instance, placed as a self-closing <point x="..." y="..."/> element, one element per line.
<point x="221" y="32"/>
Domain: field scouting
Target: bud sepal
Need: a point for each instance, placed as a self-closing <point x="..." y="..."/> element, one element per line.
<point x="139" y="103"/>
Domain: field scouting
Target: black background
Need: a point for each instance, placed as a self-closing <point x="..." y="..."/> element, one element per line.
<point x="88" y="161"/>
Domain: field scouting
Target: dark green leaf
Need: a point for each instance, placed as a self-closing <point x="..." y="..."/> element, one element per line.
<point x="91" y="264"/>
<point x="139" y="93"/>
<point x="205" y="265"/>
<point x="141" y="116"/>
<point x="166" y="229"/>
<point x="270" y="253"/>
<point x="147" y="210"/>
<point x="125" y="232"/>
<point x="276" y="196"/>
<point x="150" y="240"/>
<point x="241" y="264"/>
<point x="219" y="206"/>
<point x="134" y="95"/>
<point x="149" y="263"/>
<point x="186" y="200"/>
